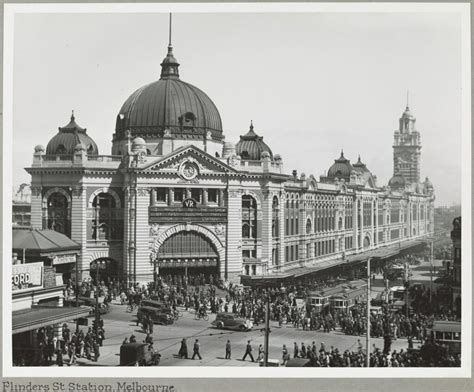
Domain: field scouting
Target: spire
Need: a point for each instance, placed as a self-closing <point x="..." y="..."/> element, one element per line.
<point x="72" y="115"/>
<point x="251" y="125"/>
<point x="408" y="96"/>
<point x="171" y="16"/>
<point x="342" y="154"/>
<point x="169" y="66"/>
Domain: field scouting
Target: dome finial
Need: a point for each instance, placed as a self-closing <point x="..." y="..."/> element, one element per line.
<point x="169" y="44"/>
<point x="408" y="96"/>
<point x="359" y="158"/>
<point x="342" y="153"/>
<point x="251" y="125"/>
<point x="72" y="115"/>
<point x="169" y="66"/>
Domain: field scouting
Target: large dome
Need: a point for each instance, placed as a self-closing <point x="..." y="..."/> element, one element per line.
<point x="169" y="104"/>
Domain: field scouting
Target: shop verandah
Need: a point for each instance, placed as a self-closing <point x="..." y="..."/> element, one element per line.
<point x="350" y="267"/>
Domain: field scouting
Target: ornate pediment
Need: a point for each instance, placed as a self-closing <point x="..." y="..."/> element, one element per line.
<point x="189" y="163"/>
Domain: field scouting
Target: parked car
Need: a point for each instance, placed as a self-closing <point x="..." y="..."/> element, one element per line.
<point x="138" y="354"/>
<point x="228" y="320"/>
<point x="157" y="315"/>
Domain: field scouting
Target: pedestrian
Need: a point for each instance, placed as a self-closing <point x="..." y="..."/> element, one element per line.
<point x="96" y="351"/>
<point x="59" y="357"/>
<point x="196" y="349"/>
<point x="248" y="351"/>
<point x="285" y="356"/>
<point x="133" y="339"/>
<point x="227" y="350"/>
<point x="261" y="353"/>
<point x="296" y="351"/>
<point x="183" y="351"/>
<point x="303" y="350"/>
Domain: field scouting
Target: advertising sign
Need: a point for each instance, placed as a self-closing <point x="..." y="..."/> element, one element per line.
<point x="27" y="276"/>
<point x="64" y="259"/>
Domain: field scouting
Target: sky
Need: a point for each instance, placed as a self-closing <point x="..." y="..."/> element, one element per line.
<point x="313" y="83"/>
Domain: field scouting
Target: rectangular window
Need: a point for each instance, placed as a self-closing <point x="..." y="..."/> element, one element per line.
<point x="178" y="194"/>
<point x="296" y="226"/>
<point x="287" y="226"/>
<point x="287" y="254"/>
<point x="161" y="194"/>
<point x="254" y="269"/>
<point x="297" y="252"/>
<point x="196" y="194"/>
<point x="212" y="195"/>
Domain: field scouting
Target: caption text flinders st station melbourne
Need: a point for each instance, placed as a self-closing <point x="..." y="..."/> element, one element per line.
<point x="175" y="198"/>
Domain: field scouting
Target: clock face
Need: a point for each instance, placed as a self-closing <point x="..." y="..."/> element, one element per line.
<point x="189" y="171"/>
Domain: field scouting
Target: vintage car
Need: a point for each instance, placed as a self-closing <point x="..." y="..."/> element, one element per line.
<point x="156" y="304"/>
<point x="157" y="315"/>
<point x="230" y="321"/>
<point x="138" y="354"/>
<point x="298" y="362"/>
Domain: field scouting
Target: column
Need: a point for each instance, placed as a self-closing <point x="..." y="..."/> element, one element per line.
<point x="221" y="199"/>
<point x="144" y="267"/>
<point x="233" y="262"/>
<point x="170" y="196"/>
<point x="361" y="217"/>
<point x="204" y="196"/>
<point x="281" y="220"/>
<point x="267" y="227"/>
<point x="79" y="227"/>
<point x="36" y="207"/>
<point x="153" y="197"/>
<point x="188" y="193"/>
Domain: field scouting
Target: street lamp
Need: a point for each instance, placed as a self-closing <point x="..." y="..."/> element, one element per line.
<point x="97" y="265"/>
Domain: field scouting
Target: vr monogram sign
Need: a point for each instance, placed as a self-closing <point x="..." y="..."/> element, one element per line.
<point x="190" y="203"/>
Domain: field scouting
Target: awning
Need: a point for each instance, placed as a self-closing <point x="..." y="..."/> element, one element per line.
<point x="39" y="243"/>
<point x="38" y="317"/>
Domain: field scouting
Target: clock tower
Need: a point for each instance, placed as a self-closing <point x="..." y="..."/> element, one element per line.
<point x="407" y="149"/>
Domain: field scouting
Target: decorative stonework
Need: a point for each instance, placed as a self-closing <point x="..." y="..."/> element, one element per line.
<point x="219" y="229"/>
<point x="143" y="191"/>
<point x="77" y="190"/>
<point x="154" y="229"/>
<point x="36" y="191"/>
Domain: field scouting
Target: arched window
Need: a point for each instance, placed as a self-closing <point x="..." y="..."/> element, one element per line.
<point x="104" y="224"/>
<point x="61" y="149"/>
<point x="339" y="226"/>
<point x="58" y="213"/>
<point x="275" y="217"/>
<point x="308" y="226"/>
<point x="245" y="231"/>
<point x="90" y="149"/>
<point x="249" y="217"/>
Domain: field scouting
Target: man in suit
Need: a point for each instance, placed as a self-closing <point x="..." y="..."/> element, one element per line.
<point x="196" y="349"/>
<point x="248" y="351"/>
<point x="227" y="350"/>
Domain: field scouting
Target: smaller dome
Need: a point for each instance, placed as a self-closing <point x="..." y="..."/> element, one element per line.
<point x="265" y="154"/>
<point x="138" y="141"/>
<point x="68" y="137"/>
<point x="39" y="148"/>
<point x="360" y="167"/>
<point x="251" y="146"/>
<point x="341" y="168"/>
<point x="428" y="183"/>
<point x="397" y="181"/>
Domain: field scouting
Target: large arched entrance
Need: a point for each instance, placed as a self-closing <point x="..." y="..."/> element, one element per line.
<point x="190" y="250"/>
<point x="103" y="268"/>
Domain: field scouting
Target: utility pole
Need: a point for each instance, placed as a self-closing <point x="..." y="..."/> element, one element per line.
<point x="367" y="341"/>
<point x="431" y="271"/>
<point x="267" y="332"/>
